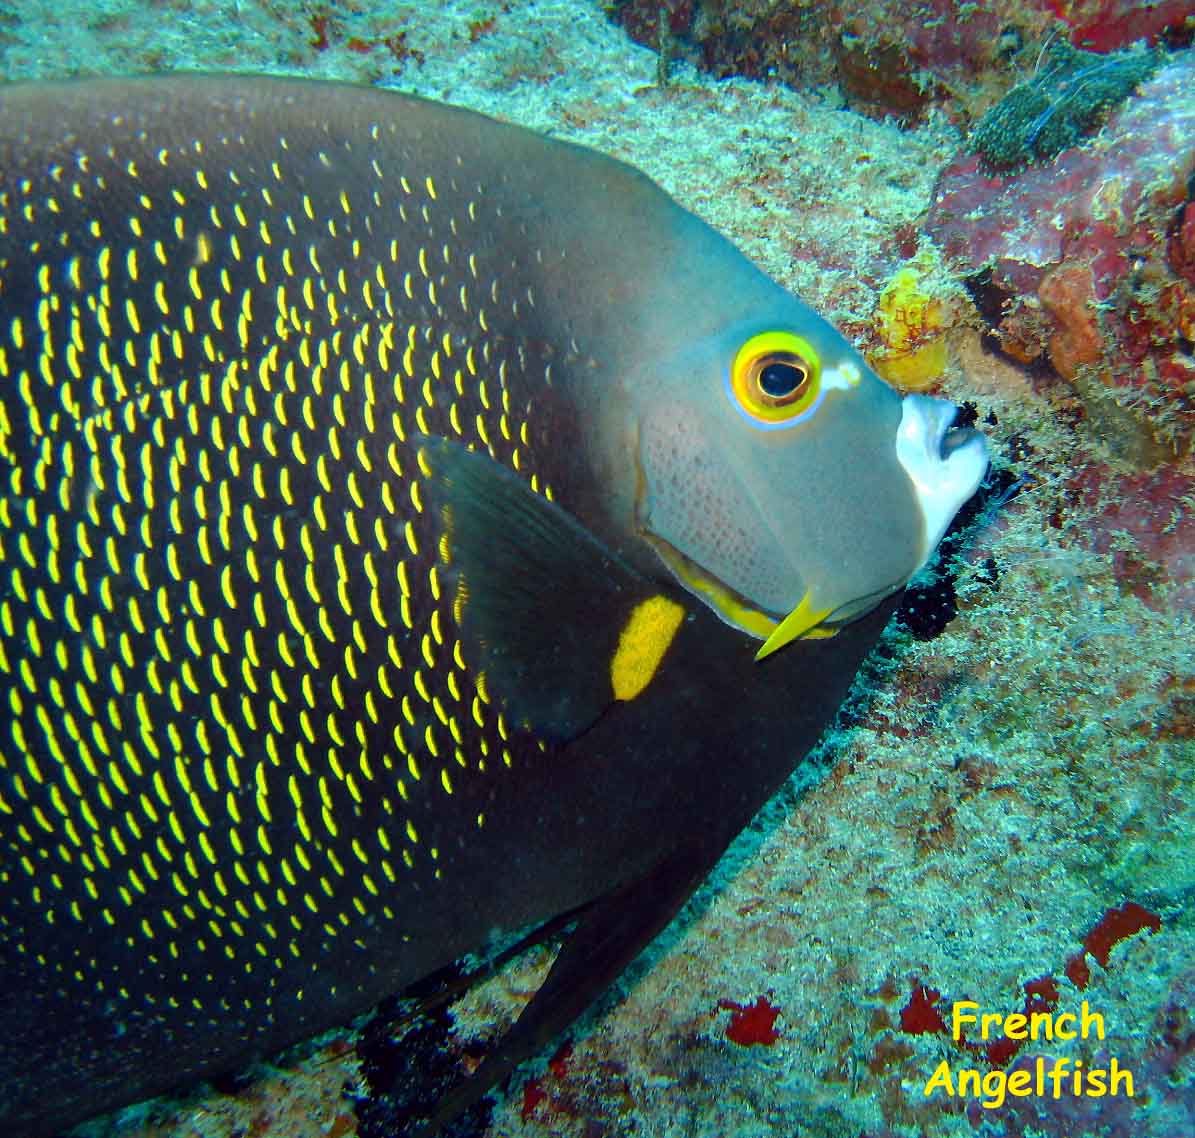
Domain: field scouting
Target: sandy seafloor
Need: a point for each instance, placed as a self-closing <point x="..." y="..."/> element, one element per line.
<point x="1005" y="784"/>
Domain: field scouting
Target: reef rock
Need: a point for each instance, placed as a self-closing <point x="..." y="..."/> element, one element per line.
<point x="1087" y="261"/>
<point x="890" y="57"/>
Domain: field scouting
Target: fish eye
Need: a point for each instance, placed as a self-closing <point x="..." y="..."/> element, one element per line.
<point x="775" y="380"/>
<point x="780" y="377"/>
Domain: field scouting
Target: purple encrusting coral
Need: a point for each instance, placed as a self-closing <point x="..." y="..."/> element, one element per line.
<point x="991" y="792"/>
<point x="1086" y="260"/>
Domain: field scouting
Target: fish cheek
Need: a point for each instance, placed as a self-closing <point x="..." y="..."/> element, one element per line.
<point x="841" y="493"/>
<point x="692" y="498"/>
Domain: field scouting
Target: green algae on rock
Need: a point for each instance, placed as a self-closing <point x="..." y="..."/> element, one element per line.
<point x="1067" y="97"/>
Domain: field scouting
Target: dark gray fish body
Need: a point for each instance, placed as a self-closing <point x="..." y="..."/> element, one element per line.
<point x="335" y="628"/>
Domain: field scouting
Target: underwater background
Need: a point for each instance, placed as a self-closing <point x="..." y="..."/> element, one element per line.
<point x="996" y="203"/>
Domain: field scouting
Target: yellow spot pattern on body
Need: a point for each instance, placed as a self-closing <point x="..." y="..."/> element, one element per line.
<point x="222" y="510"/>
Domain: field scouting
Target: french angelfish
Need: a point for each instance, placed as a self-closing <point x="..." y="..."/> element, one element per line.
<point x="403" y="518"/>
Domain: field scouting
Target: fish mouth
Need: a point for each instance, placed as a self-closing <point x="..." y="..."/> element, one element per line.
<point x="945" y="463"/>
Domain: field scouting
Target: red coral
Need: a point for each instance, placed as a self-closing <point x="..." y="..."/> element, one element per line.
<point x="533" y="1095"/>
<point x="1108" y="25"/>
<point x="1113" y="927"/>
<point x="545" y="1089"/>
<point x="558" y="1065"/>
<point x="1067" y="293"/>
<point x="751" y="1023"/>
<point x="1041" y="995"/>
<point x="919" y="1016"/>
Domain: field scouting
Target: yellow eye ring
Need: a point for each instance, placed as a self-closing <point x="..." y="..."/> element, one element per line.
<point x="775" y="380"/>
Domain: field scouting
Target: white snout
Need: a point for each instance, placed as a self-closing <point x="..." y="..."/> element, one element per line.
<point x="944" y="463"/>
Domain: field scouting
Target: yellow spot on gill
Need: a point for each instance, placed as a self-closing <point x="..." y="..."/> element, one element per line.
<point x="642" y="644"/>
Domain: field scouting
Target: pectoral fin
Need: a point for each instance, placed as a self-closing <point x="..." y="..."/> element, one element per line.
<point x="559" y="624"/>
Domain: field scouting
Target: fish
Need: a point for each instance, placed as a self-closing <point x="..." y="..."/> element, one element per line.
<point x="412" y="528"/>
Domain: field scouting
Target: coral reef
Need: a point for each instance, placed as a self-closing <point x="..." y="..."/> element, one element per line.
<point x="1084" y="262"/>
<point x="1108" y="25"/>
<point x="1067" y="96"/>
<point x="891" y="57"/>
<point x="1143" y="522"/>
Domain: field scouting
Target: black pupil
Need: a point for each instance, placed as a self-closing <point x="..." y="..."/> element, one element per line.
<point x="780" y="378"/>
